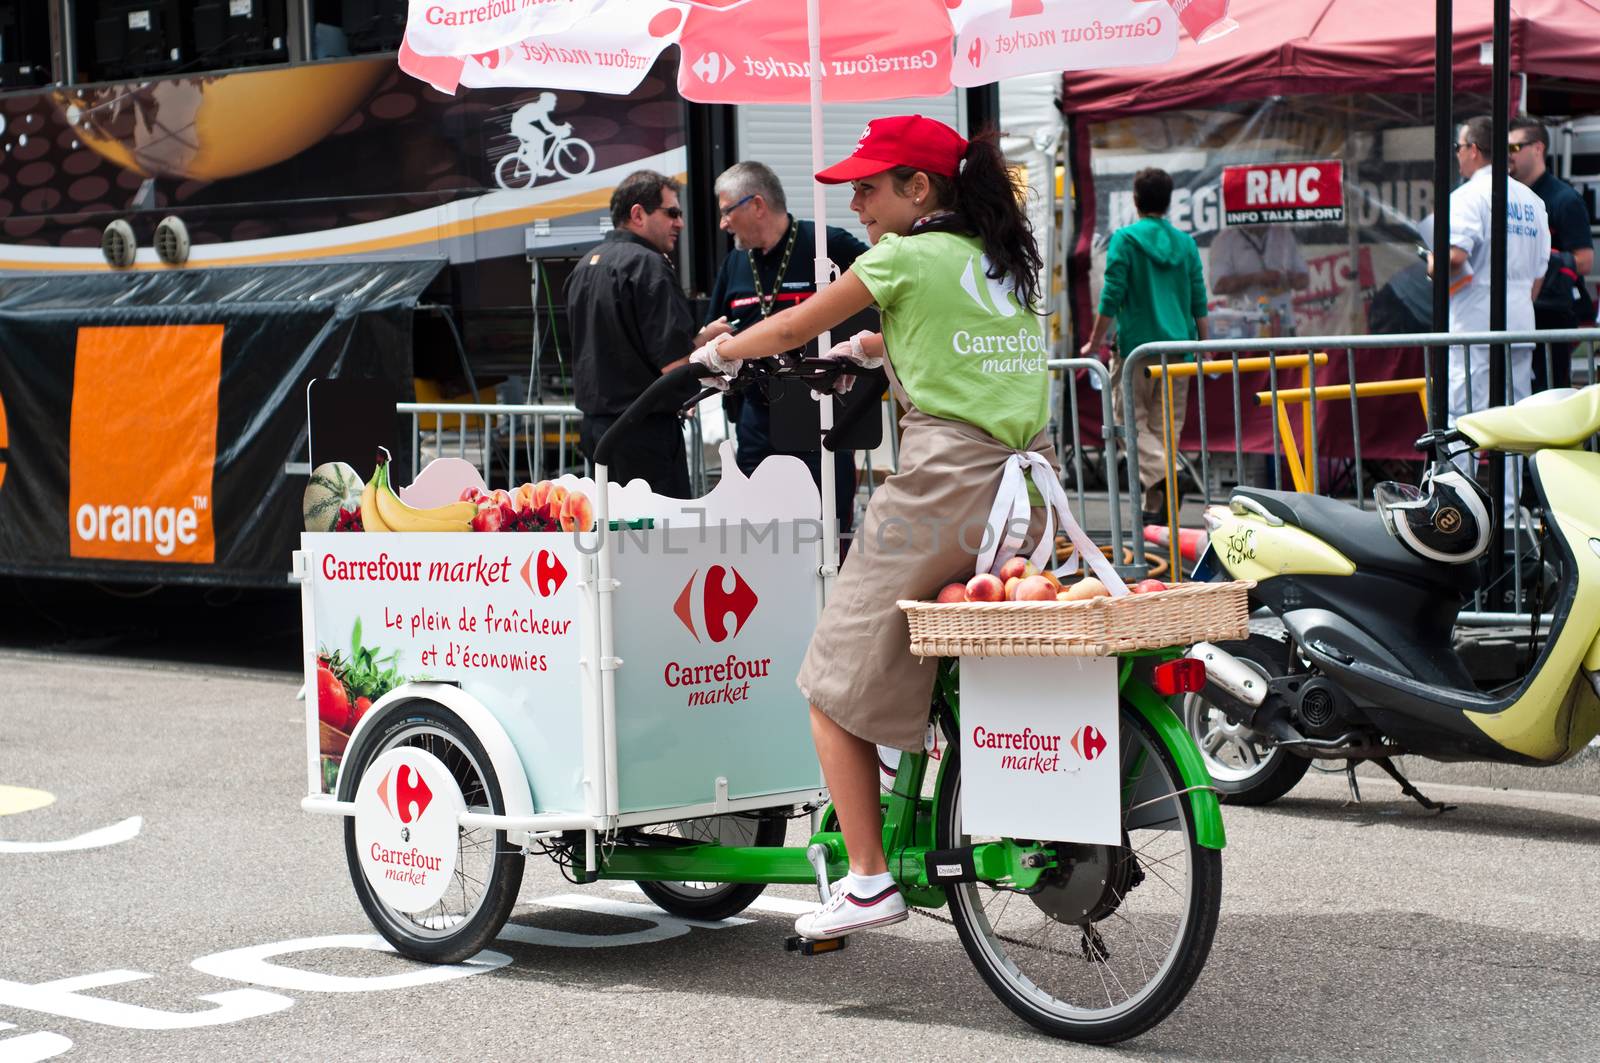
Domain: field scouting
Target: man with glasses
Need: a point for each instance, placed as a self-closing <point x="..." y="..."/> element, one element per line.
<point x="630" y="323"/>
<point x="772" y="268"/>
<point x="1527" y="251"/>
<point x="1561" y="302"/>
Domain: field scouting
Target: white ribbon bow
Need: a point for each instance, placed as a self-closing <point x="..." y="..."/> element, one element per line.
<point x="1011" y="503"/>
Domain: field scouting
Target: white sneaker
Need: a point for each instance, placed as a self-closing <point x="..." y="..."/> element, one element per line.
<point x="846" y="913"/>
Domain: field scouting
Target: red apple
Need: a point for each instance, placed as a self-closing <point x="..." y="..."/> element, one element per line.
<point x="1035" y="589"/>
<point x="985" y="588"/>
<point x="490" y="517"/>
<point x="953" y="592"/>
<point x="1017" y="567"/>
<point x="1147" y="586"/>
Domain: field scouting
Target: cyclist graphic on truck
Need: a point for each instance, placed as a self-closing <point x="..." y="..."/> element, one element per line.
<point x="545" y="147"/>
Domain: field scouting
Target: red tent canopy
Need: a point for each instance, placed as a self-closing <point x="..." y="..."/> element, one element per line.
<point x="1295" y="47"/>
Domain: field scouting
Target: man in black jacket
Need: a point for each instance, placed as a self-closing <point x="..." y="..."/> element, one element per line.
<point x="771" y="268"/>
<point x="631" y="323"/>
<point x="1569" y="232"/>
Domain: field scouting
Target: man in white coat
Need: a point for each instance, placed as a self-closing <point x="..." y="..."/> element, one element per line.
<point x="1527" y="254"/>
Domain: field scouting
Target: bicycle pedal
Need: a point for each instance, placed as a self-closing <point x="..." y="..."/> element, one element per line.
<point x="813" y="946"/>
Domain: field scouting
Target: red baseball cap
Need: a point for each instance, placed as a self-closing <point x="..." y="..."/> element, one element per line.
<point x="900" y="140"/>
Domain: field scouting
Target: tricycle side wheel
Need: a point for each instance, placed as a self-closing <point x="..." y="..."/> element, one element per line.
<point x="1113" y="938"/>
<point x="488" y="870"/>
<point x="716" y="900"/>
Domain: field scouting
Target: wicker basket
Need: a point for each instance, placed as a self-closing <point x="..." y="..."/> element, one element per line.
<point x="1178" y="616"/>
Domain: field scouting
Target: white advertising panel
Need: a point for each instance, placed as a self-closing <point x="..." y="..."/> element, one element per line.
<point x="999" y="39"/>
<point x="504" y="615"/>
<point x="1039" y="750"/>
<point x="711" y="634"/>
<point x="408" y="810"/>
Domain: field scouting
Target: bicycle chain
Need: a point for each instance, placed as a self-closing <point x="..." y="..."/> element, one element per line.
<point x="1003" y="937"/>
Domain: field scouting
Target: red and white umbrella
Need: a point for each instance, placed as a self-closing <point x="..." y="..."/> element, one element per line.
<point x="789" y="51"/>
<point x="759" y="51"/>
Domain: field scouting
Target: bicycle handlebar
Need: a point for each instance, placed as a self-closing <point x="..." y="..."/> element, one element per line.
<point x="817" y="373"/>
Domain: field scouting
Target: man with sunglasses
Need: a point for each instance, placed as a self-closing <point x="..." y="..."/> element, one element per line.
<point x="1562" y="301"/>
<point x="1472" y="221"/>
<point x="630" y="323"/>
<point x="772" y="268"/>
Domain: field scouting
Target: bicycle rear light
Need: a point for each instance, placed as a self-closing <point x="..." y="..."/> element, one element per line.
<point x="1182" y="676"/>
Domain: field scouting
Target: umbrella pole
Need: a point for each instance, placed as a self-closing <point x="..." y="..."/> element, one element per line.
<point x="819" y="214"/>
<point x="1443" y="152"/>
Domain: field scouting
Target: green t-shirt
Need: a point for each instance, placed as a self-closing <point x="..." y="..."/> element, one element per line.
<point x="962" y="345"/>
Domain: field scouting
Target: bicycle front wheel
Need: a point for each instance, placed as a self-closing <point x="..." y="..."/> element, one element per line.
<point x="1114" y="936"/>
<point x="573" y="158"/>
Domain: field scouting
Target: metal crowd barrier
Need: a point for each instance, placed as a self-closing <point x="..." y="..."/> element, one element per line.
<point x="517" y="437"/>
<point x="1162" y="361"/>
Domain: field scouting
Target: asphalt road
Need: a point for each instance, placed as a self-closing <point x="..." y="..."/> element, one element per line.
<point x="1351" y="932"/>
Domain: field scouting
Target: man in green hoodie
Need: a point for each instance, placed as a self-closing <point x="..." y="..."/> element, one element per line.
<point x="1153" y="290"/>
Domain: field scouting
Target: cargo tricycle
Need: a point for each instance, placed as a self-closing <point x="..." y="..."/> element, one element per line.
<point x="621" y="701"/>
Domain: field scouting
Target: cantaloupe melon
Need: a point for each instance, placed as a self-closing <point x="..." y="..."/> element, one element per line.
<point x="333" y="486"/>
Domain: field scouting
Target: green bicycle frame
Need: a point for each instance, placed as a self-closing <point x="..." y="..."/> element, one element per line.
<point x="908" y="818"/>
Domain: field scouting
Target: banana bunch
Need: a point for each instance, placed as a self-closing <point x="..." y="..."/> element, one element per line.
<point x="382" y="510"/>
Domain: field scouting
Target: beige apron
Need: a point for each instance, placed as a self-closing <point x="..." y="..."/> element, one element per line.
<point x="924" y="528"/>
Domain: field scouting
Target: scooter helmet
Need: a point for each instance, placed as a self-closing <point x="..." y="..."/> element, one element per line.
<point x="1446" y="519"/>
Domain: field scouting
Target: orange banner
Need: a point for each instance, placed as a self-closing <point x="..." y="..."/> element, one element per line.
<point x="144" y="442"/>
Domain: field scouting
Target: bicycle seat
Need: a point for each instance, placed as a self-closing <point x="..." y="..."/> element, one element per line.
<point x="1560" y="420"/>
<point x="1359" y="534"/>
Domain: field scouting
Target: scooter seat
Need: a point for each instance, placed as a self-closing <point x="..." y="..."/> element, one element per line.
<point x="1359" y="534"/>
<point x="1560" y="420"/>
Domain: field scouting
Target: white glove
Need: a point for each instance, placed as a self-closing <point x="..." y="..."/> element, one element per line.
<point x="707" y="356"/>
<point x="851" y="350"/>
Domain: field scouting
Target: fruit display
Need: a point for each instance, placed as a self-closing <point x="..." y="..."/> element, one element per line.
<point x="544" y="506"/>
<point x="1019" y="580"/>
<point x="336" y="500"/>
<point x="332" y="500"/>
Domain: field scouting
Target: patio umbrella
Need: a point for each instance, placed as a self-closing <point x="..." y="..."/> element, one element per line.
<point x="784" y="51"/>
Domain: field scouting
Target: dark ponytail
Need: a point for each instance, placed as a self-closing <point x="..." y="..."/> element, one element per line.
<point x="988" y="205"/>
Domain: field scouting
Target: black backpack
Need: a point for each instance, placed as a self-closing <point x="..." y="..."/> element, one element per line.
<point x="1564" y="298"/>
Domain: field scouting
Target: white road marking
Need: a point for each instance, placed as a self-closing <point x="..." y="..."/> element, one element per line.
<point x="95" y="839"/>
<point x="31" y="1047"/>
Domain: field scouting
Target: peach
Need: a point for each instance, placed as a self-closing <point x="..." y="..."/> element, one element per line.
<point x="1018" y="567"/>
<point x="522" y="498"/>
<point x="1147" y="586"/>
<point x="1036" y="589"/>
<point x="1055" y="580"/>
<point x="1011" y="588"/>
<point x="577" y="513"/>
<point x="953" y="592"/>
<point x="1088" y="587"/>
<point x="985" y="588"/>
<point x="1064" y="597"/>
<point x="541" y="492"/>
<point x="470" y="494"/>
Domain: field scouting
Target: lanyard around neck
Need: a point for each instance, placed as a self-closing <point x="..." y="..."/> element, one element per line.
<point x="766" y="300"/>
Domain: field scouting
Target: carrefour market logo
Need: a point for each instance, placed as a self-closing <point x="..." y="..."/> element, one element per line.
<point x="404" y="793"/>
<point x="543" y="573"/>
<point x="1088" y="743"/>
<point x="722" y="593"/>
